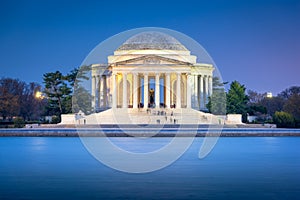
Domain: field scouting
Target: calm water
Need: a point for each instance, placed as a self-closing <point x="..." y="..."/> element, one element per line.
<point x="237" y="168"/>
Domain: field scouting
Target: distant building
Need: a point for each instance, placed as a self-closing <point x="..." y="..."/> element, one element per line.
<point x="269" y="95"/>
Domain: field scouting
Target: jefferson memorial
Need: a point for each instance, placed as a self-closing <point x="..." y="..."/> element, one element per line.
<point x="151" y="78"/>
<point x="151" y="70"/>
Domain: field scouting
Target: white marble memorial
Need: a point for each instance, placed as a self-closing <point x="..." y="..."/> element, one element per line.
<point x="149" y="73"/>
<point x="152" y="63"/>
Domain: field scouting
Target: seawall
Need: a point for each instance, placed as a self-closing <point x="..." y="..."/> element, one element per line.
<point x="127" y="131"/>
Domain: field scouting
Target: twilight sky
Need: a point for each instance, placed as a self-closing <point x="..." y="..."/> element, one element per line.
<point x="256" y="42"/>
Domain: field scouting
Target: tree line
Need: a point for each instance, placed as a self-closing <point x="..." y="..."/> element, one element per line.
<point x="31" y="102"/>
<point x="283" y="109"/>
<point x="18" y="98"/>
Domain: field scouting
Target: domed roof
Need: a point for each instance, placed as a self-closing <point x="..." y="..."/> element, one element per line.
<point x="152" y="40"/>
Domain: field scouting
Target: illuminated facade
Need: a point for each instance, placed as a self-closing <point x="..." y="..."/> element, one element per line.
<point x="151" y="70"/>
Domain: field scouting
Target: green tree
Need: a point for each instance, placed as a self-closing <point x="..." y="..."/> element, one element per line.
<point x="82" y="99"/>
<point x="283" y="120"/>
<point x="217" y="82"/>
<point x="71" y="77"/>
<point x="256" y="110"/>
<point x="19" y="122"/>
<point x="58" y="94"/>
<point x="63" y="91"/>
<point x="237" y="100"/>
<point x="217" y="101"/>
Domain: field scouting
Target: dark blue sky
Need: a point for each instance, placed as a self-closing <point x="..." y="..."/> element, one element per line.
<point x="254" y="42"/>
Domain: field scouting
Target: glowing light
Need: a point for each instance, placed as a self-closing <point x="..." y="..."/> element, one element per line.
<point x="39" y="95"/>
<point x="269" y="95"/>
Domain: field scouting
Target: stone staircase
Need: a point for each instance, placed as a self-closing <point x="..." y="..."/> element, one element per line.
<point x="152" y="116"/>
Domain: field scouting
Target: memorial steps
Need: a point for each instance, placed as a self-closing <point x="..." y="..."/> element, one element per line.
<point x="152" y="116"/>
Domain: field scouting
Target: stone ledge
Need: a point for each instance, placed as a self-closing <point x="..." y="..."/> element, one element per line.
<point x="150" y="132"/>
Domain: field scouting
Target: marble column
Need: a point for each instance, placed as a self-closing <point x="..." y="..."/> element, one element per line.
<point x="168" y="91"/>
<point x="146" y="90"/>
<point x="104" y="91"/>
<point x="178" y="91"/>
<point x="93" y="91"/>
<point x="135" y="90"/>
<point x="200" y="97"/>
<point x="188" y="91"/>
<point x="196" y="100"/>
<point x="98" y="94"/>
<point x="124" y="102"/>
<point x="206" y="91"/>
<point x="114" y="94"/>
<point x="157" y="101"/>
<point x="210" y="89"/>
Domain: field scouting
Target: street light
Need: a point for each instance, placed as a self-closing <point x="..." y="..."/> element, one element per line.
<point x="39" y="95"/>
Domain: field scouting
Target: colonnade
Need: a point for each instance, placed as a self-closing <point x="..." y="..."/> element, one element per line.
<point x="100" y="91"/>
<point x="190" y="89"/>
<point x="202" y="88"/>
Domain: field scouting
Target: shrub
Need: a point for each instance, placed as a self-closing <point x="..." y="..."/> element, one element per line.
<point x="55" y="120"/>
<point x="19" y="122"/>
<point x="283" y="120"/>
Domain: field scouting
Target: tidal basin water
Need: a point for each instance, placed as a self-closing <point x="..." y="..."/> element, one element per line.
<point x="237" y="168"/>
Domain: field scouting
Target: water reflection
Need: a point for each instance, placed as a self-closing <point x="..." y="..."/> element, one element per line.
<point x="140" y="144"/>
<point x="237" y="168"/>
<point x="38" y="143"/>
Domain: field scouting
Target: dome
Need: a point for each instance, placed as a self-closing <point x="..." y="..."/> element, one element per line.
<point x="152" y="40"/>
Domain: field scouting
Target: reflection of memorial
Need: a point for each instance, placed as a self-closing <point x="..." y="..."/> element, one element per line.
<point x="151" y="68"/>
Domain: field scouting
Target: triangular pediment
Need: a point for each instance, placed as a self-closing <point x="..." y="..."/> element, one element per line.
<point x="152" y="60"/>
